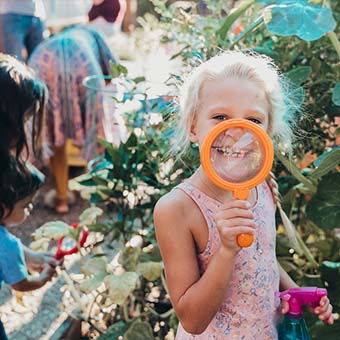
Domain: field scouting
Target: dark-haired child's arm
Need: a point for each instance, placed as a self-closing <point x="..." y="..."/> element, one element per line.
<point x="35" y="282"/>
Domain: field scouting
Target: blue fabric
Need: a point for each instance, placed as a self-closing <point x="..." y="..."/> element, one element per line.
<point x="20" y="31"/>
<point x="3" y="335"/>
<point x="12" y="259"/>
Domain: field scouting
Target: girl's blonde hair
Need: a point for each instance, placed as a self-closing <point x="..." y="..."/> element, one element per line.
<point x="250" y="66"/>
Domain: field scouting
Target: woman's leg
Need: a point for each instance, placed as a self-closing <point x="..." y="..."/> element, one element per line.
<point x="59" y="167"/>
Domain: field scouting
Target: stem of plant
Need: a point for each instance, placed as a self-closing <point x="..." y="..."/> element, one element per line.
<point x="293" y="169"/>
<point x="94" y="326"/>
<point x="302" y="244"/>
<point x="162" y="316"/>
<point x="251" y="28"/>
<point x="335" y="41"/>
<point x="73" y="290"/>
<point x="126" y="312"/>
<point x="164" y="283"/>
<point x="307" y="252"/>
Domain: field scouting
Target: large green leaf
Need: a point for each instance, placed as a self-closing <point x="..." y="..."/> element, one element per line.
<point x="150" y="270"/>
<point x="298" y="75"/>
<point x="152" y="254"/>
<point x="128" y="258"/>
<point x="89" y="215"/>
<point x="324" y="207"/>
<point x="89" y="285"/>
<point x="94" y="266"/>
<point x="53" y="230"/>
<point x="330" y="273"/>
<point x="336" y="94"/>
<point x="120" y="287"/>
<point x="115" y="331"/>
<point x="299" y="17"/>
<point x="326" y="163"/>
<point x="139" y="330"/>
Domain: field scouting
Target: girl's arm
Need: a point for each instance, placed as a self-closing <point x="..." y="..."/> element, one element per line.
<point x="35" y="282"/>
<point x="195" y="298"/>
<point x="286" y="282"/>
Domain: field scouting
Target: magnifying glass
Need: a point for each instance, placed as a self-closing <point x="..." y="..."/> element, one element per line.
<point x="68" y="245"/>
<point x="237" y="155"/>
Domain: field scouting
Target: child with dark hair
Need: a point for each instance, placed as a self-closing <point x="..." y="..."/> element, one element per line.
<point x="23" y="98"/>
<point x="16" y="196"/>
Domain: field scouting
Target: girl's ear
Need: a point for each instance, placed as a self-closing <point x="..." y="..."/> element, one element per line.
<point x="193" y="136"/>
<point x="4" y="212"/>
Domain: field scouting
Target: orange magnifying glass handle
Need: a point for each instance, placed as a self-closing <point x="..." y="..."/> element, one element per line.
<point x="240" y="190"/>
<point x="243" y="240"/>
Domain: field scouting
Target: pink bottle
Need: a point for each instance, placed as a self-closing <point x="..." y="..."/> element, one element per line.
<point x="293" y="326"/>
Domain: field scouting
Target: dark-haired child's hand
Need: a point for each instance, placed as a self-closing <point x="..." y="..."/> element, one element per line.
<point x="35" y="281"/>
<point x="47" y="273"/>
<point x="36" y="260"/>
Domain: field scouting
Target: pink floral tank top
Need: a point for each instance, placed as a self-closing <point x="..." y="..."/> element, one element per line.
<point x="249" y="309"/>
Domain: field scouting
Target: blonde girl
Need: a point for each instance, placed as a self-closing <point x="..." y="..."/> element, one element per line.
<point x="218" y="290"/>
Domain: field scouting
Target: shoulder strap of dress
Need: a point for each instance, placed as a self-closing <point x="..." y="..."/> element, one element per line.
<point x="202" y="201"/>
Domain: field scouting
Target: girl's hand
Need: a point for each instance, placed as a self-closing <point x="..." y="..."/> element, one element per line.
<point x="235" y="217"/>
<point x="324" y="311"/>
<point x="285" y="304"/>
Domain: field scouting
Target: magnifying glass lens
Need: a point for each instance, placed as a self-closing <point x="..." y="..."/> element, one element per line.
<point x="237" y="155"/>
<point x="68" y="244"/>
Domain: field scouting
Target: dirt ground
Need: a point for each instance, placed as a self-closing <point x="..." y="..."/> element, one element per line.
<point x="40" y="312"/>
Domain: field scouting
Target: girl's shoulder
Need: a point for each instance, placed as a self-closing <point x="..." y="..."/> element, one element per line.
<point x="175" y="205"/>
<point x="175" y="200"/>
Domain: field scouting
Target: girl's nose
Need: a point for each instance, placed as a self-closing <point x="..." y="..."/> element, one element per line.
<point x="229" y="137"/>
<point x="235" y="133"/>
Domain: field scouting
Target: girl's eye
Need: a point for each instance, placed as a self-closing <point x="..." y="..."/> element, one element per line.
<point x="220" y="117"/>
<point x="256" y="121"/>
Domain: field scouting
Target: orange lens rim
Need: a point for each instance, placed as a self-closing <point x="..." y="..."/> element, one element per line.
<point x="268" y="157"/>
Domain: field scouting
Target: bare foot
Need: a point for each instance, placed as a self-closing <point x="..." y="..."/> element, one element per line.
<point x="61" y="207"/>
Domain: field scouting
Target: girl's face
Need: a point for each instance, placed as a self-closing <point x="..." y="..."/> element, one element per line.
<point x="20" y="212"/>
<point x="227" y="99"/>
